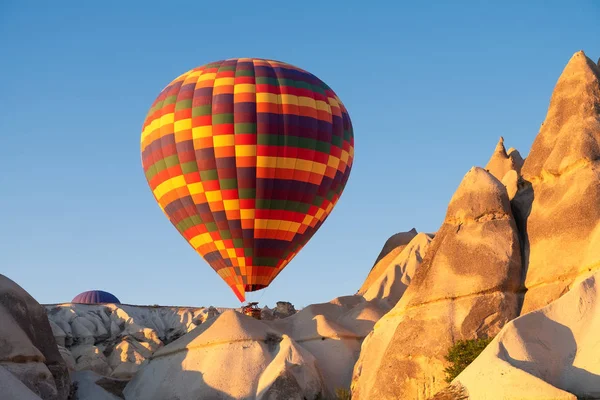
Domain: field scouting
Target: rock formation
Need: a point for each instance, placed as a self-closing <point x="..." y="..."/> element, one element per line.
<point x="393" y="281"/>
<point x="13" y="388"/>
<point x="502" y="162"/>
<point x="28" y="349"/>
<point x="230" y="357"/>
<point x="392" y="248"/>
<point x="114" y="339"/>
<point x="465" y="288"/>
<point x="323" y="340"/>
<point x="551" y="353"/>
<point x="283" y="309"/>
<point x="91" y="386"/>
<point x="506" y="167"/>
<point x="332" y="332"/>
<point x="558" y="203"/>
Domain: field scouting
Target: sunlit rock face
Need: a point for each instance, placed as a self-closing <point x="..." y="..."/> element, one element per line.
<point x="558" y="203"/>
<point x="550" y="353"/>
<point x="232" y="356"/>
<point x="391" y="249"/>
<point x="466" y="287"/>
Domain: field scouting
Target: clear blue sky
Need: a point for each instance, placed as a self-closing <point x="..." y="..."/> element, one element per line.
<point x="429" y="87"/>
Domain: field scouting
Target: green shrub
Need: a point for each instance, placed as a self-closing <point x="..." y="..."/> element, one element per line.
<point x="462" y="354"/>
<point x="342" y="394"/>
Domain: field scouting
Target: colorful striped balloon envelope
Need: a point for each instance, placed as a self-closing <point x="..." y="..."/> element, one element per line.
<point x="247" y="158"/>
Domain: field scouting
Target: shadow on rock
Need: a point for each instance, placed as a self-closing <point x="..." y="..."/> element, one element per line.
<point x="553" y="364"/>
<point x="176" y="382"/>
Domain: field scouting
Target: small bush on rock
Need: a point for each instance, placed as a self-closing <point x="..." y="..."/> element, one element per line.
<point x="462" y="354"/>
<point x="342" y="394"/>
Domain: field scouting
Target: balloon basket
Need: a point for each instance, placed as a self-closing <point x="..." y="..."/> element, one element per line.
<point x="251" y="310"/>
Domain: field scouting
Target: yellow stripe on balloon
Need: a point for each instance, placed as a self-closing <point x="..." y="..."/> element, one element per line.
<point x="344" y="156"/>
<point x="201" y="131"/>
<point x="284" y="226"/>
<point x="266" y="98"/>
<point x="231" y="205"/>
<point x="307" y="102"/>
<point x="293" y="227"/>
<point x="168" y="185"/>
<point x="213" y="196"/>
<point x="182" y="125"/>
<point x="193" y="76"/>
<point x="247" y="213"/>
<point x="333" y="162"/>
<point x="207" y="76"/>
<point x="151" y="127"/>
<point x="245" y="150"/>
<point x="223" y="140"/>
<point x="231" y="253"/>
<point x="290" y="163"/>
<point x="229" y="81"/>
<point x="195" y="188"/>
<point x="323" y="106"/>
<point x="266" y="162"/>
<point x="244" y="88"/>
<point x="319" y="213"/>
<point x="201" y="239"/>
<point x="167" y="119"/>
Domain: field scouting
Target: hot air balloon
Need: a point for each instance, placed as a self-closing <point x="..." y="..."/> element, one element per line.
<point x="247" y="158"/>
<point x="95" y="297"/>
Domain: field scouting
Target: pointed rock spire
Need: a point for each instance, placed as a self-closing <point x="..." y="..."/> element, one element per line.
<point x="465" y="287"/>
<point x="569" y="135"/>
<point x="562" y="204"/>
<point x="516" y="158"/>
<point x="502" y="162"/>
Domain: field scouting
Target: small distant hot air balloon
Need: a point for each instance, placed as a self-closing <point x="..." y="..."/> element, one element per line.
<point x="95" y="297"/>
<point x="247" y="158"/>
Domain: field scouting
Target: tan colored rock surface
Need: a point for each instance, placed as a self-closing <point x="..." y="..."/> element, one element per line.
<point x="511" y="183"/>
<point x="501" y="162"/>
<point x="127" y="356"/>
<point x="28" y="349"/>
<point x="391" y="249"/>
<point x="394" y="280"/>
<point x="506" y="167"/>
<point x="517" y="159"/>
<point x="310" y="352"/>
<point x="332" y="333"/>
<point x="549" y="353"/>
<point x="558" y="204"/>
<point x="465" y="288"/>
<point x="229" y="357"/>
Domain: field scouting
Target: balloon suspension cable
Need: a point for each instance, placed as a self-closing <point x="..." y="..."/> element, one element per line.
<point x="252" y="297"/>
<point x="262" y="294"/>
